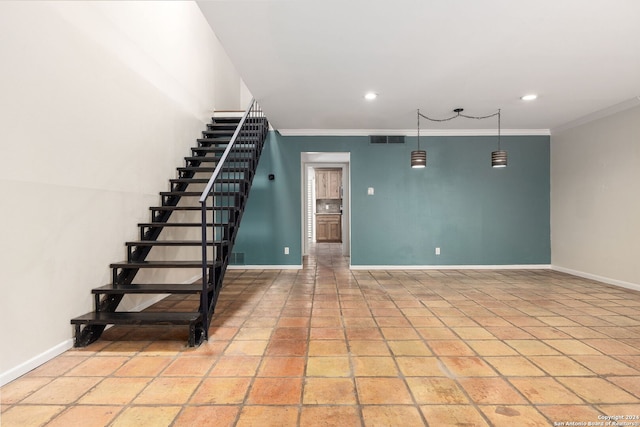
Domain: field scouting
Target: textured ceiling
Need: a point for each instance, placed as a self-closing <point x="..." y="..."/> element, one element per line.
<point x="309" y="63"/>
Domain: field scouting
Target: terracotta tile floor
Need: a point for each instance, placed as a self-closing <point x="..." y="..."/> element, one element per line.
<point x="326" y="346"/>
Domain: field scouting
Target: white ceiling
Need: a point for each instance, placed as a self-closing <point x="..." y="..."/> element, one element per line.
<point x="309" y="63"/>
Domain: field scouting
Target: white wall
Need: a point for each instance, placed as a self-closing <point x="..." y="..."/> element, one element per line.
<point x="595" y="207"/>
<point x="100" y="102"/>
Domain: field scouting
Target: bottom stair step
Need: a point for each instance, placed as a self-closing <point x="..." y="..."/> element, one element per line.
<point x="101" y="319"/>
<point x="156" y="288"/>
<point x="137" y="318"/>
<point x="163" y="264"/>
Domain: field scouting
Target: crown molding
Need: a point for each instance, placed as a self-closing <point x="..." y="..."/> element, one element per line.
<point x="609" y="111"/>
<point x="412" y="132"/>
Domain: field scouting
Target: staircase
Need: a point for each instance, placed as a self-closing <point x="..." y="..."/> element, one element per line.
<point x="224" y="162"/>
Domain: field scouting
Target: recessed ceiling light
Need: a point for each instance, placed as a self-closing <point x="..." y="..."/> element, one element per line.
<point x="529" y="97"/>
<point x="371" y="96"/>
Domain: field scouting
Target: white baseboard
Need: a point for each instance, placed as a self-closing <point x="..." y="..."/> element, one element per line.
<point x="58" y="349"/>
<point x="607" y="280"/>
<point x="264" y="267"/>
<point x="453" y="267"/>
<point x="34" y="362"/>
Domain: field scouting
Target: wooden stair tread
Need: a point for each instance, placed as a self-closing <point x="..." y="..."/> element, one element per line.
<point x="210" y="169"/>
<point x="173" y="242"/>
<point x="199" y="193"/>
<point x="221" y="149"/>
<point x="162" y="264"/>
<point x="227" y="118"/>
<point x="219" y="132"/>
<point x="220" y="139"/>
<point x="228" y="124"/>
<point x="191" y="208"/>
<point x="209" y="149"/>
<point x="182" y="224"/>
<point x="136" y="318"/>
<point x="152" y="288"/>
<point x="206" y="181"/>
<point x="214" y="159"/>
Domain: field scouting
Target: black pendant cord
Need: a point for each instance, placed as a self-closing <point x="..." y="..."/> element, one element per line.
<point x="458" y="112"/>
<point x="498" y="113"/>
<point x="498" y="158"/>
<point x="419" y="129"/>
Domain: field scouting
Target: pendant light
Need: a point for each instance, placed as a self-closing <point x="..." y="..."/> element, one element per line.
<point x="418" y="157"/>
<point x="499" y="157"/>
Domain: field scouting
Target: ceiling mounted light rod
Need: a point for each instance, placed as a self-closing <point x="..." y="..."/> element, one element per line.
<point x="498" y="158"/>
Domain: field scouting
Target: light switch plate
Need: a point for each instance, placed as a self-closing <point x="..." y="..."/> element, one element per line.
<point x="370" y="191"/>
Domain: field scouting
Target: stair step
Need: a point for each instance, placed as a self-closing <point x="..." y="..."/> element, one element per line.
<point x="220" y="128"/>
<point x="230" y="129"/>
<point x="220" y="139"/>
<point x="137" y="318"/>
<point x="233" y="157"/>
<point x="221" y="149"/>
<point x="216" y="124"/>
<point x="173" y="242"/>
<point x="197" y="193"/>
<point x="210" y="169"/>
<point x="228" y="119"/>
<point x="192" y="208"/>
<point x="181" y="224"/>
<point x="208" y="149"/>
<point x="155" y="288"/>
<point x="189" y="181"/>
<point x="206" y="180"/>
<point x="162" y="264"/>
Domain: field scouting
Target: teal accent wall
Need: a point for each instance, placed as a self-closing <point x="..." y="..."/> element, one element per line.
<point x="477" y="215"/>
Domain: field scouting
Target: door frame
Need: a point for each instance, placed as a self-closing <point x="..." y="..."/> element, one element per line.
<point x="309" y="162"/>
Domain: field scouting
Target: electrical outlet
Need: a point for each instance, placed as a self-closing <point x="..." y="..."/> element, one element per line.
<point x="437" y="251"/>
<point x="286" y="250"/>
<point x="370" y="191"/>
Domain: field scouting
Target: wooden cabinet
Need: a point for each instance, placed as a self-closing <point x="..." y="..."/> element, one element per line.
<point x="328" y="183"/>
<point x="329" y="228"/>
<point x="335" y="183"/>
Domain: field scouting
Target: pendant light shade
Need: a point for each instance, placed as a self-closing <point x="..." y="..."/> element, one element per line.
<point x="499" y="159"/>
<point x="418" y="159"/>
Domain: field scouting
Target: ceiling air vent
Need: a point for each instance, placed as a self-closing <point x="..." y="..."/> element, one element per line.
<point x="384" y="139"/>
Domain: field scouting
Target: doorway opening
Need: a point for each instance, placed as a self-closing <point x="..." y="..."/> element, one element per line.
<point x="321" y="201"/>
